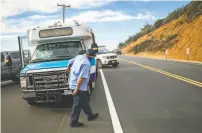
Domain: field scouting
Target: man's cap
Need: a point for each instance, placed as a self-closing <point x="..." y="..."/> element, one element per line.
<point x="90" y="52"/>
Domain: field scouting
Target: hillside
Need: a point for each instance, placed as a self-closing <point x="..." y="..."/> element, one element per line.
<point x="176" y="35"/>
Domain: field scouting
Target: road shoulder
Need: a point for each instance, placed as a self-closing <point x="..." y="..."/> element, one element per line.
<point x="172" y="60"/>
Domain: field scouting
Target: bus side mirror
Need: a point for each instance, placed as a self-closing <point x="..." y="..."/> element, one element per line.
<point x="8" y="60"/>
<point x="94" y="47"/>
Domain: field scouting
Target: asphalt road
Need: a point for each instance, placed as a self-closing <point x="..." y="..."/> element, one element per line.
<point x="146" y="102"/>
<point x="19" y="117"/>
<point x="189" y="70"/>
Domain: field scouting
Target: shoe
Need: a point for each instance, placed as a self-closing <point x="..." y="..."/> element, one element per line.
<point x="77" y="124"/>
<point x="94" y="116"/>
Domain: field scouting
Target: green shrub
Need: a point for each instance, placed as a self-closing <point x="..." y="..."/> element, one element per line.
<point x="190" y="11"/>
<point x="180" y="22"/>
<point x="193" y="8"/>
<point x="174" y="15"/>
<point x="153" y="45"/>
<point x="161" y="37"/>
<point x="141" y="47"/>
<point x="171" y="37"/>
<point x="158" y="23"/>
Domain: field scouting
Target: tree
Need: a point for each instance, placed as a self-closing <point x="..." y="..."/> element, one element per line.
<point x="146" y="27"/>
<point x="120" y="45"/>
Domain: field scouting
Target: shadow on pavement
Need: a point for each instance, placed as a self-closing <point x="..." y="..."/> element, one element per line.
<point x="109" y="67"/>
<point x="64" y="104"/>
<point x="7" y="83"/>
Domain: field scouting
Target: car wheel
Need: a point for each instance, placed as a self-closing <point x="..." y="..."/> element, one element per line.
<point x="100" y="65"/>
<point x="115" y="65"/>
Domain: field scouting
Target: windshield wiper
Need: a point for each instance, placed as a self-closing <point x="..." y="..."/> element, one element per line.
<point x="36" y="60"/>
<point x="57" y="58"/>
<point x="63" y="56"/>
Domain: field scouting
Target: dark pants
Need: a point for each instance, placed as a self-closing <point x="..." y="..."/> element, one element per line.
<point x="80" y="101"/>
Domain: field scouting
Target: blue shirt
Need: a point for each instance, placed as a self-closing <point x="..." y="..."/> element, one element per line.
<point x="80" y="67"/>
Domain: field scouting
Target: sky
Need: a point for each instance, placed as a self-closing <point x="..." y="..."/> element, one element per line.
<point x="112" y="21"/>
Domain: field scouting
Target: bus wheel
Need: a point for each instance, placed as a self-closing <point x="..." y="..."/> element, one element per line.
<point x="31" y="102"/>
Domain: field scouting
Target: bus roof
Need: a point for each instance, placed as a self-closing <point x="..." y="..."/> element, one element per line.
<point x="60" y="31"/>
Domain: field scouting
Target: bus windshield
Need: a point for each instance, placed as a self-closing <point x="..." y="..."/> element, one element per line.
<point x="56" y="51"/>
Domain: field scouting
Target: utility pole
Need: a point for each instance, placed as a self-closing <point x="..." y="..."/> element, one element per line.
<point x="63" y="7"/>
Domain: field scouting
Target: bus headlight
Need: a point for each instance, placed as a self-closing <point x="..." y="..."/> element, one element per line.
<point x="23" y="82"/>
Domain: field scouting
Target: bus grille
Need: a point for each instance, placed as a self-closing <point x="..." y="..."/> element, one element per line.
<point x="48" y="79"/>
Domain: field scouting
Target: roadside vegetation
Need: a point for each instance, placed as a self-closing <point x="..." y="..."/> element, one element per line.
<point x="167" y="40"/>
<point x="157" y="45"/>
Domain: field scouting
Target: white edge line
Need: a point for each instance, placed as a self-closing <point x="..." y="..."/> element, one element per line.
<point x="62" y="123"/>
<point x="114" y="117"/>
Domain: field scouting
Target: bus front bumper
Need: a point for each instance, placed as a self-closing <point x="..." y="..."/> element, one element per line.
<point x="46" y="95"/>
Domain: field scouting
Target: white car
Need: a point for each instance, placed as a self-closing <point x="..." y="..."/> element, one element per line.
<point x="105" y="58"/>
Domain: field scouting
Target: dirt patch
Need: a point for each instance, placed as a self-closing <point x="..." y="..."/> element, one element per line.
<point x="176" y="36"/>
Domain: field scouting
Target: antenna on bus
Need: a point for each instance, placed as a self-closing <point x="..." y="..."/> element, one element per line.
<point x="63" y="7"/>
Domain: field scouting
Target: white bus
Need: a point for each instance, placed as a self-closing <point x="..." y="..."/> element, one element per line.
<point x="44" y="78"/>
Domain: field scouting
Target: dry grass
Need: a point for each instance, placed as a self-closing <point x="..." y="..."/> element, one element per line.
<point x="189" y="35"/>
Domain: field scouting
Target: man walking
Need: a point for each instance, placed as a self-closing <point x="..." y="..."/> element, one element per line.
<point x="79" y="68"/>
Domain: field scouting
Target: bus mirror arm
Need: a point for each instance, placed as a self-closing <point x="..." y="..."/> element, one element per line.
<point x="82" y="52"/>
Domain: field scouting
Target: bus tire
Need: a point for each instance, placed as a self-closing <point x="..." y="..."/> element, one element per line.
<point x="31" y="102"/>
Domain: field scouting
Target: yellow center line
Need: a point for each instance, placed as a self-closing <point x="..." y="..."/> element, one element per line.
<point x="197" y="83"/>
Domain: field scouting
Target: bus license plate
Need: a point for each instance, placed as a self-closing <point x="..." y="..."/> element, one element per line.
<point x="29" y="94"/>
<point x="113" y="61"/>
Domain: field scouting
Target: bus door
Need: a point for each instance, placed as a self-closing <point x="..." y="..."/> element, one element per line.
<point x="25" y="55"/>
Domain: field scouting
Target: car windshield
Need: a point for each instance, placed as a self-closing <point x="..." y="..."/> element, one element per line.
<point x="102" y="50"/>
<point x="56" y="51"/>
<point x="16" y="55"/>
